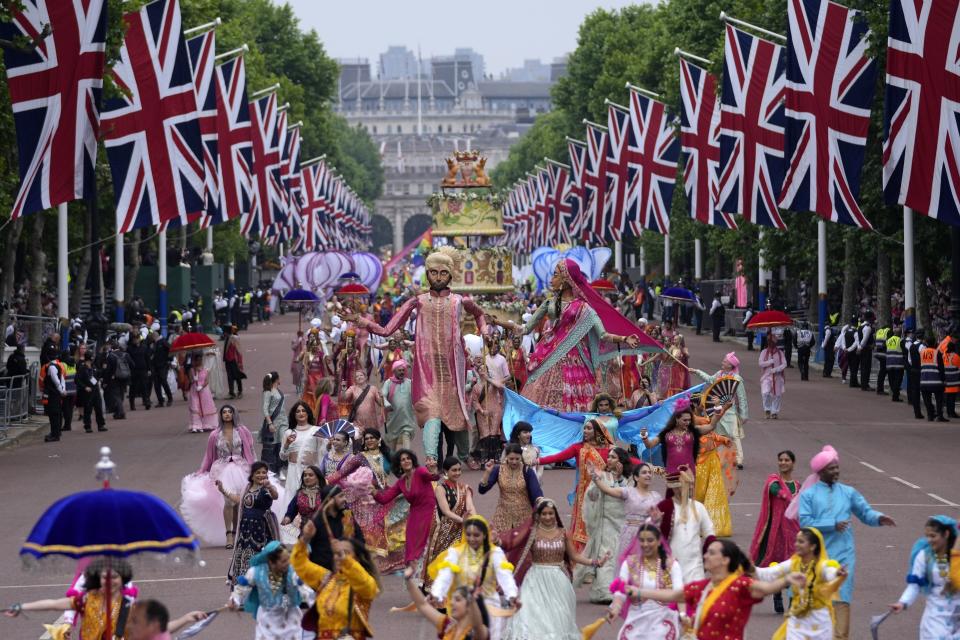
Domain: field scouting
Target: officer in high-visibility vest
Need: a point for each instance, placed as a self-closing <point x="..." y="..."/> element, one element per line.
<point x="912" y="344"/>
<point x="880" y="353"/>
<point x="895" y="364"/>
<point x="951" y="378"/>
<point x="931" y="379"/>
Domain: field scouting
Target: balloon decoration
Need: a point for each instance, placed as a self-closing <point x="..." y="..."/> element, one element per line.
<point x="590" y="261"/>
<point x="320" y="272"/>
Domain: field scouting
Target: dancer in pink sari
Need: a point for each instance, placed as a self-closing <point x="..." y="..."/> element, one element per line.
<point x="563" y="367"/>
<point x="203" y="412"/>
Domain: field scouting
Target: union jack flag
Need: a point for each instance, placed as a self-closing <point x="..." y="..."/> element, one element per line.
<point x="578" y="161"/>
<point x="621" y="176"/>
<point x="152" y="133"/>
<point x="921" y="149"/>
<point x="829" y="90"/>
<point x="541" y="189"/>
<point x="270" y="205"/>
<point x="595" y="178"/>
<point x="312" y="181"/>
<point x="55" y="93"/>
<point x="235" y="180"/>
<point x="700" y="143"/>
<point x="558" y="204"/>
<point x="202" y="50"/>
<point x="658" y="150"/>
<point x="751" y="128"/>
<point x="292" y="176"/>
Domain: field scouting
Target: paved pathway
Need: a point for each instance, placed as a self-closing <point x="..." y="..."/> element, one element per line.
<point x="904" y="467"/>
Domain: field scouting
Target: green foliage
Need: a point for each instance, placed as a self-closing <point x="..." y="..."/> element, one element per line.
<point x="635" y="44"/>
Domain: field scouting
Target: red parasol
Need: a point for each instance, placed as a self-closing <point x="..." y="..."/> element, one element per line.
<point x="191" y="341"/>
<point x="353" y="289"/>
<point x="769" y="319"/>
<point x="603" y="286"/>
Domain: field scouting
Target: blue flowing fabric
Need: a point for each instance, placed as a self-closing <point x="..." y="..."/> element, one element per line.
<point x="554" y="431"/>
<point x="108" y="522"/>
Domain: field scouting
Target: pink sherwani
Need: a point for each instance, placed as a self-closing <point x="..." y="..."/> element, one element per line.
<point x="439" y="363"/>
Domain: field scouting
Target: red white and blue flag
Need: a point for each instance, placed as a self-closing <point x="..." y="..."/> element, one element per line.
<point x="921" y="149"/>
<point x="270" y="204"/>
<point x="202" y="50"/>
<point x="558" y="204"/>
<point x="621" y="175"/>
<point x="656" y="153"/>
<point x="152" y="132"/>
<point x="752" y="128"/>
<point x="55" y="91"/>
<point x="595" y="178"/>
<point x="578" y="162"/>
<point x="313" y="204"/>
<point x="700" y="144"/>
<point x="235" y="180"/>
<point x="830" y="82"/>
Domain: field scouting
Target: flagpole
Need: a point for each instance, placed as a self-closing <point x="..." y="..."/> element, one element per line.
<point x="63" y="300"/>
<point x="208" y="254"/>
<point x="263" y="92"/>
<point x="226" y="54"/>
<point x="740" y="23"/>
<point x="909" y="282"/>
<point x="761" y="268"/>
<point x="677" y="51"/>
<point x="643" y="261"/>
<point x="666" y="259"/>
<point x="118" y="278"/>
<point x="216" y="22"/>
<point x="162" y="281"/>
<point x="618" y="255"/>
<point x="697" y="260"/>
<point x="822" y="309"/>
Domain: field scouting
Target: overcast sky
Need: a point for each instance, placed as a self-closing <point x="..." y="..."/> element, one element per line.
<point x="505" y="32"/>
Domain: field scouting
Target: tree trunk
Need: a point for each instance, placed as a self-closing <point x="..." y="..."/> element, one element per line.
<point x="923" y="296"/>
<point x="7" y="277"/>
<point x="813" y="308"/>
<point x="718" y="263"/>
<point x="38" y="272"/>
<point x="883" y="286"/>
<point x="849" y="305"/>
<point x="131" y="254"/>
<point x="83" y="268"/>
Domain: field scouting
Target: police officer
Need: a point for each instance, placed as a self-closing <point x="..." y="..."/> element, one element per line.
<point x="865" y="350"/>
<point x="912" y="347"/>
<point x="932" y="379"/>
<point x="804" y="342"/>
<point x="850" y="366"/>
<point x="880" y="353"/>
<point x="89" y="393"/>
<point x="829" y="341"/>
<point x="53" y="391"/>
<point x="69" y="399"/>
<point x="895" y="361"/>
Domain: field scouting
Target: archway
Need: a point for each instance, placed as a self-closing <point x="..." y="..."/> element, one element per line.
<point x="382" y="234"/>
<point x="415" y="226"/>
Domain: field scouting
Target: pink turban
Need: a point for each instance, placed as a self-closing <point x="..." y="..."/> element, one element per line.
<point x="400" y="364"/>
<point x="734" y="361"/>
<point x="827" y="456"/>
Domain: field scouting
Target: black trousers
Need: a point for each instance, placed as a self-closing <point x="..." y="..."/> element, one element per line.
<point x="895" y="376"/>
<point x="931" y="394"/>
<point x="803" y="362"/>
<point x="881" y="374"/>
<point x="716" y="331"/>
<point x="950" y="400"/>
<point x="853" y="368"/>
<point x="788" y="352"/>
<point x="829" y="355"/>
<point x="140" y="387"/>
<point x="93" y="404"/>
<point x="866" y="364"/>
<point x="53" y="409"/>
<point x="234" y="375"/>
<point x="66" y="410"/>
<point x="913" y="391"/>
<point x="161" y="386"/>
<point x="749" y="340"/>
<point x="115" y="395"/>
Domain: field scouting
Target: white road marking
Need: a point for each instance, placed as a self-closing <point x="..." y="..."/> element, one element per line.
<point x="870" y="466"/>
<point x="943" y="500"/>
<point x="52" y="586"/>
<point x="872" y="504"/>
<point x="902" y="481"/>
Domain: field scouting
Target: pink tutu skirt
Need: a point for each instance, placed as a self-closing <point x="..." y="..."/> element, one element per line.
<point x="201" y="503"/>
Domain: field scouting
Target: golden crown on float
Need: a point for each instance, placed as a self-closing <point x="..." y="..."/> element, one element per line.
<point x="469" y="212"/>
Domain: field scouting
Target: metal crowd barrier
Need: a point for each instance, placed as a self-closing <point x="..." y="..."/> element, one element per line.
<point x="17" y="395"/>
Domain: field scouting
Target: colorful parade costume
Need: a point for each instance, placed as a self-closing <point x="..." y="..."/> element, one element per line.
<point x="418" y="491"/>
<point x="519" y="491"/>
<point x="203" y="411"/>
<point x="444" y="531"/>
<point x="257" y="527"/>
<point x="604" y="516"/>
<point x="563" y="366"/>
<point x="647" y="619"/>
<point x="938" y="578"/>
<point x="773" y="538"/>
<point x="811" y="610"/>
<point x="716" y="480"/>
<point x="272" y="600"/>
<point x="724" y="610"/>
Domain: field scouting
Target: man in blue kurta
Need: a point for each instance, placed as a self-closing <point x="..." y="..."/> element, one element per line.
<point x="828" y="505"/>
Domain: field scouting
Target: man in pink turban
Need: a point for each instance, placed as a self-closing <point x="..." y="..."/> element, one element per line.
<point x="398" y="403"/>
<point x="829" y="506"/>
<point x="732" y="422"/>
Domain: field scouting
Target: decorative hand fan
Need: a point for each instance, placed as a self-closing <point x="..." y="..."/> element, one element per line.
<point x="329" y="429"/>
<point x="719" y="393"/>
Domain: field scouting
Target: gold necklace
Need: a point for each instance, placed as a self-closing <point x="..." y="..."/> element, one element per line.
<point x="943" y="564"/>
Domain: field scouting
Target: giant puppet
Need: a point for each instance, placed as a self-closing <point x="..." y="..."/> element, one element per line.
<point x="439" y="371"/>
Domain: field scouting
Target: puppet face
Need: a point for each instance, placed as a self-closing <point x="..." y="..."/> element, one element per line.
<point x="439" y="278"/>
